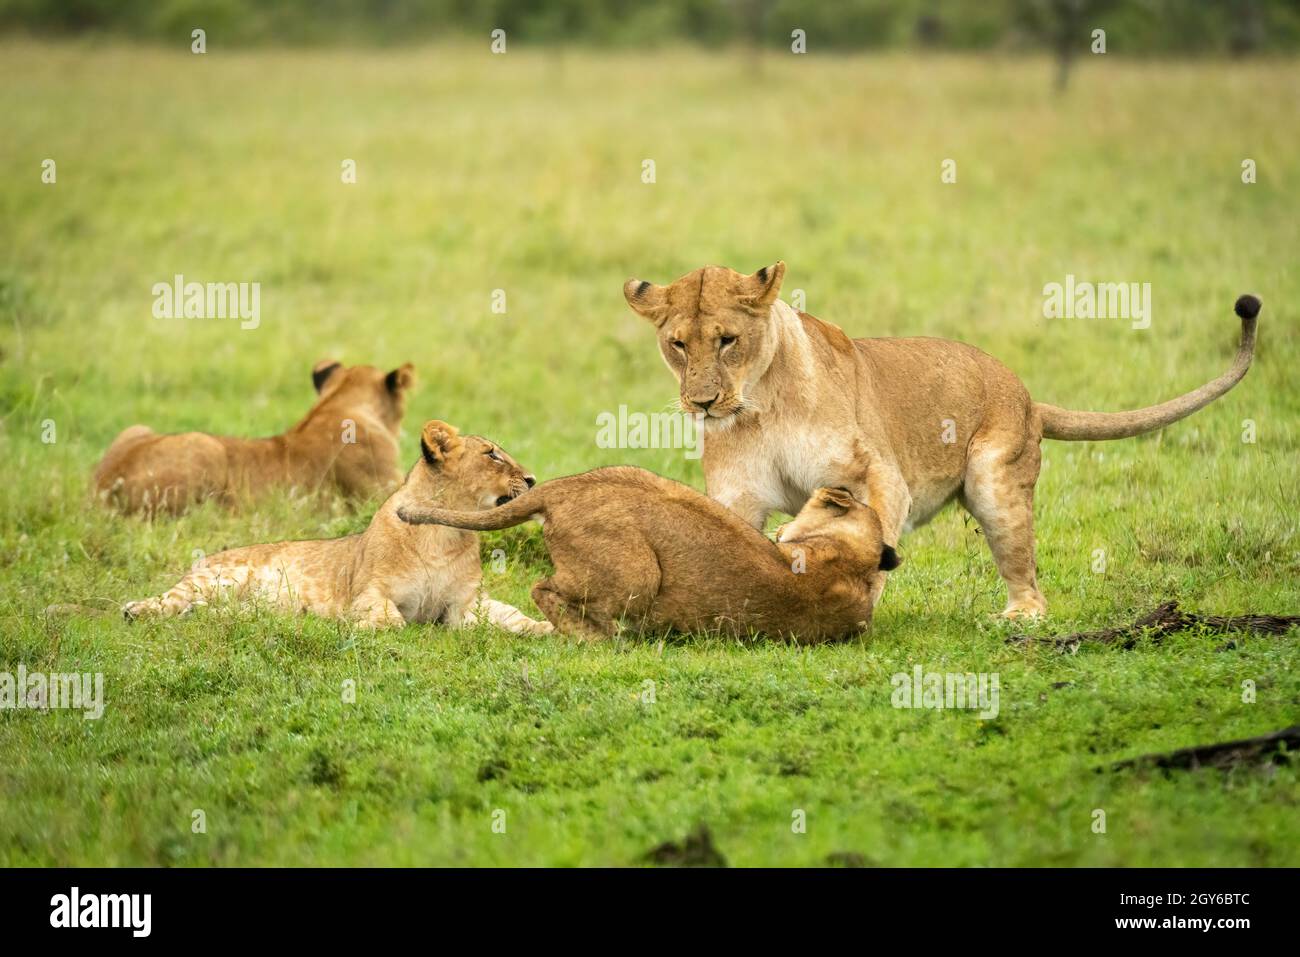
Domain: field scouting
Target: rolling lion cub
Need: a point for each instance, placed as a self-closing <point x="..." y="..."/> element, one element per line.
<point x="631" y="546"/>
<point x="347" y="440"/>
<point x="390" y="574"/>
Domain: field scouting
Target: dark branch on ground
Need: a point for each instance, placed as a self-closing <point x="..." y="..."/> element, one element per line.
<point x="1163" y="621"/>
<point x="1225" y="755"/>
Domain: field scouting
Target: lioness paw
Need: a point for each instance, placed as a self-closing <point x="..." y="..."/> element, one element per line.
<point x="1021" y="612"/>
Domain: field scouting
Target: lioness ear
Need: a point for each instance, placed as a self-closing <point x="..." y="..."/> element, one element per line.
<point x="400" y="379"/>
<point x="437" y="441"/>
<point x="889" y="559"/>
<point x="647" y="299"/>
<point x="322" y="370"/>
<point x="761" y="289"/>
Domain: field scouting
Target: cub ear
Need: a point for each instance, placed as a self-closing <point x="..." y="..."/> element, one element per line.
<point x="437" y="441"/>
<point x="647" y="299"/>
<point x="837" y="496"/>
<point x="889" y="559"/>
<point x="761" y="289"/>
<point x="400" y="379"/>
<point x="322" y="370"/>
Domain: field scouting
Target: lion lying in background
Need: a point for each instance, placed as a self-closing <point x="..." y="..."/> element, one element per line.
<point x="390" y="574"/>
<point x="632" y="547"/>
<point x="347" y="441"/>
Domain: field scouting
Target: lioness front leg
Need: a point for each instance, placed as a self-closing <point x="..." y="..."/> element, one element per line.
<point x="752" y="508"/>
<point x="882" y="487"/>
<point x="875" y="481"/>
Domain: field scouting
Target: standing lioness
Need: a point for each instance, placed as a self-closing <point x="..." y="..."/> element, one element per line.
<point x="346" y="442"/>
<point x="792" y="403"/>
<point x="631" y="547"/>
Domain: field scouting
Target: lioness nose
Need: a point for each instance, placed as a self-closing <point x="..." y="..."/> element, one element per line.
<point x="705" y="403"/>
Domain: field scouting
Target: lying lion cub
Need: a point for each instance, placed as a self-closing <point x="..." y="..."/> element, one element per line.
<point x="347" y="441"/>
<point x="390" y="574"/>
<point x="631" y="546"/>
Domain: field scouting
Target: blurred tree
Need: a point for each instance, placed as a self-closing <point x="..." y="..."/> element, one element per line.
<point x="1065" y="26"/>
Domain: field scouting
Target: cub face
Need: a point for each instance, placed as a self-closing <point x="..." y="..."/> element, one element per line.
<point x="473" y="473"/>
<point x="384" y="393"/>
<point x="715" y="333"/>
<point x="834" y="512"/>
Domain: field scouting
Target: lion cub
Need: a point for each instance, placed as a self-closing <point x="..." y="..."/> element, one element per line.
<point x="390" y="574"/>
<point x="347" y="441"/>
<point x="631" y="546"/>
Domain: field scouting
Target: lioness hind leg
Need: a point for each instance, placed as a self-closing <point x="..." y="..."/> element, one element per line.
<point x="999" y="493"/>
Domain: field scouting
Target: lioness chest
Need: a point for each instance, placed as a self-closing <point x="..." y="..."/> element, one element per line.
<point x="777" y="469"/>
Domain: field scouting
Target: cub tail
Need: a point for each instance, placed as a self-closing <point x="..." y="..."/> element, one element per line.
<point x="515" y="512"/>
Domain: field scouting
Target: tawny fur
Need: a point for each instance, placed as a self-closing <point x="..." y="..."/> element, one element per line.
<point x="634" y="550"/>
<point x="907" y="425"/>
<point x="347" y="443"/>
<point x="390" y="574"/>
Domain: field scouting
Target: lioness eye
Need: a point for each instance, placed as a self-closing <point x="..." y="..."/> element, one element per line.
<point x="678" y="344"/>
<point x="725" y="341"/>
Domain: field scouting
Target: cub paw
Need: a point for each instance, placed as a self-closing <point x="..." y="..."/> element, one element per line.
<point x="136" y="609"/>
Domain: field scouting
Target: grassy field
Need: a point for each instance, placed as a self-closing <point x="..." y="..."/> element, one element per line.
<point x="523" y="173"/>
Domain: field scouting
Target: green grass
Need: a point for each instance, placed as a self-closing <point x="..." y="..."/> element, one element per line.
<point x="523" y="173"/>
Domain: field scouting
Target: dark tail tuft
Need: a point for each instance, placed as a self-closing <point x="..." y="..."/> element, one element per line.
<point x="1247" y="306"/>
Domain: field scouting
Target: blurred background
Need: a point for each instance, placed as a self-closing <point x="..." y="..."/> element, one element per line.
<point x="1146" y="26"/>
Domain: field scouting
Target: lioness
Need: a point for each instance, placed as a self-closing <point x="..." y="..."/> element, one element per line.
<point x="390" y="574"/>
<point x="347" y="441"/>
<point x="632" y="547"/>
<point x="792" y="403"/>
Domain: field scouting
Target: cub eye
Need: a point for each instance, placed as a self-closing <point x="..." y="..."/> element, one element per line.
<point x="678" y="345"/>
<point x="724" y="341"/>
<point x="492" y="454"/>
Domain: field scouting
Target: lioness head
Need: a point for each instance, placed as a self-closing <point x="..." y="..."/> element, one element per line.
<point x="834" y="512"/>
<point x="383" y="393"/>
<point x="466" y="472"/>
<point x="715" y="332"/>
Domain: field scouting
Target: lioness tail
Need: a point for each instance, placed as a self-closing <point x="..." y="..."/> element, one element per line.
<point x="1074" y="426"/>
